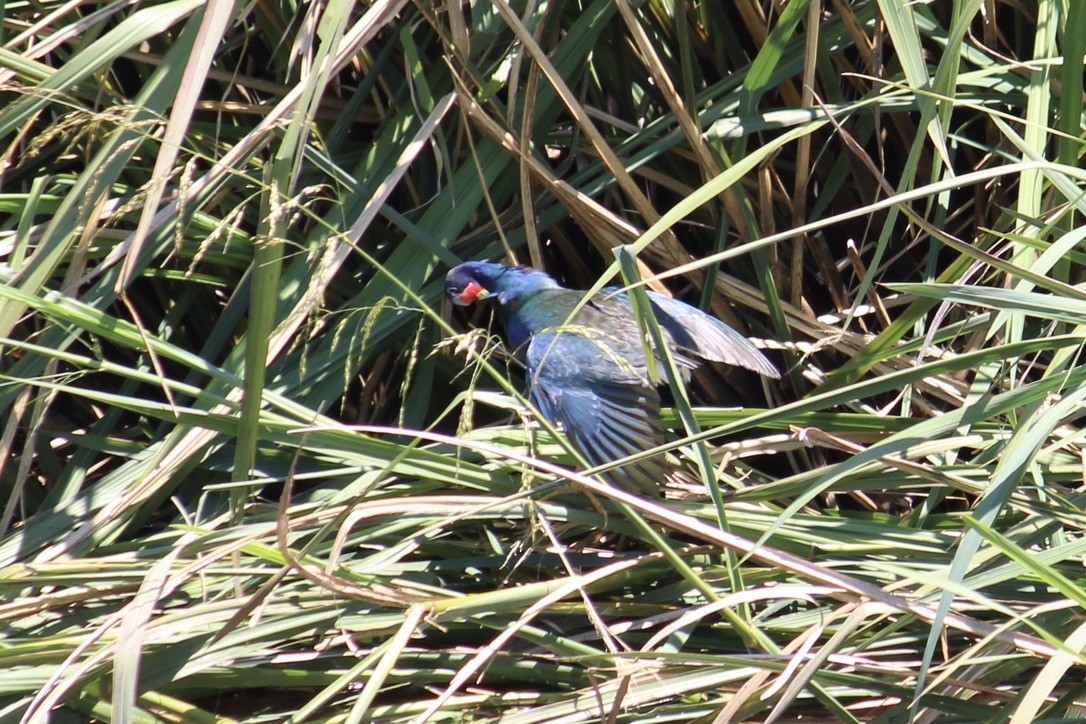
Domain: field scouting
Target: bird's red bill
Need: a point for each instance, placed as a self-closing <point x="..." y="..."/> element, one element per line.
<point x="472" y="293"/>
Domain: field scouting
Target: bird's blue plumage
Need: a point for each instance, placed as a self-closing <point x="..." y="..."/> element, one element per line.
<point x="586" y="367"/>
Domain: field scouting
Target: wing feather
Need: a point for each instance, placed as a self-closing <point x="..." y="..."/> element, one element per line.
<point x="707" y="337"/>
<point x="606" y="413"/>
<point x="692" y="334"/>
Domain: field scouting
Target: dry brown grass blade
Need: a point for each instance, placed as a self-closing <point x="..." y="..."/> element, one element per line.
<point x="527" y="198"/>
<point x="803" y="153"/>
<point x="641" y="203"/>
<point x="606" y="229"/>
<point x="690" y="127"/>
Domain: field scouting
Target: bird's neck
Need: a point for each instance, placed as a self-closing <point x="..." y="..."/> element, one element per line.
<point x="541" y="309"/>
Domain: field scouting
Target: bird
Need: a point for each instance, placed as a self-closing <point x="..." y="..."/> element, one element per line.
<point x="585" y="363"/>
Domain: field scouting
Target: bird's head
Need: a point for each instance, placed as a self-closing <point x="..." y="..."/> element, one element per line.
<point x="475" y="281"/>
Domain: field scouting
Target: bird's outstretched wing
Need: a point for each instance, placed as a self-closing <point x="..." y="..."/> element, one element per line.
<point x="607" y="409"/>
<point x="692" y="334"/>
<point x="703" y="335"/>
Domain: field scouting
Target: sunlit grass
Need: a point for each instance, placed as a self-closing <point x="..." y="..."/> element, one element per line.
<point x="248" y="471"/>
